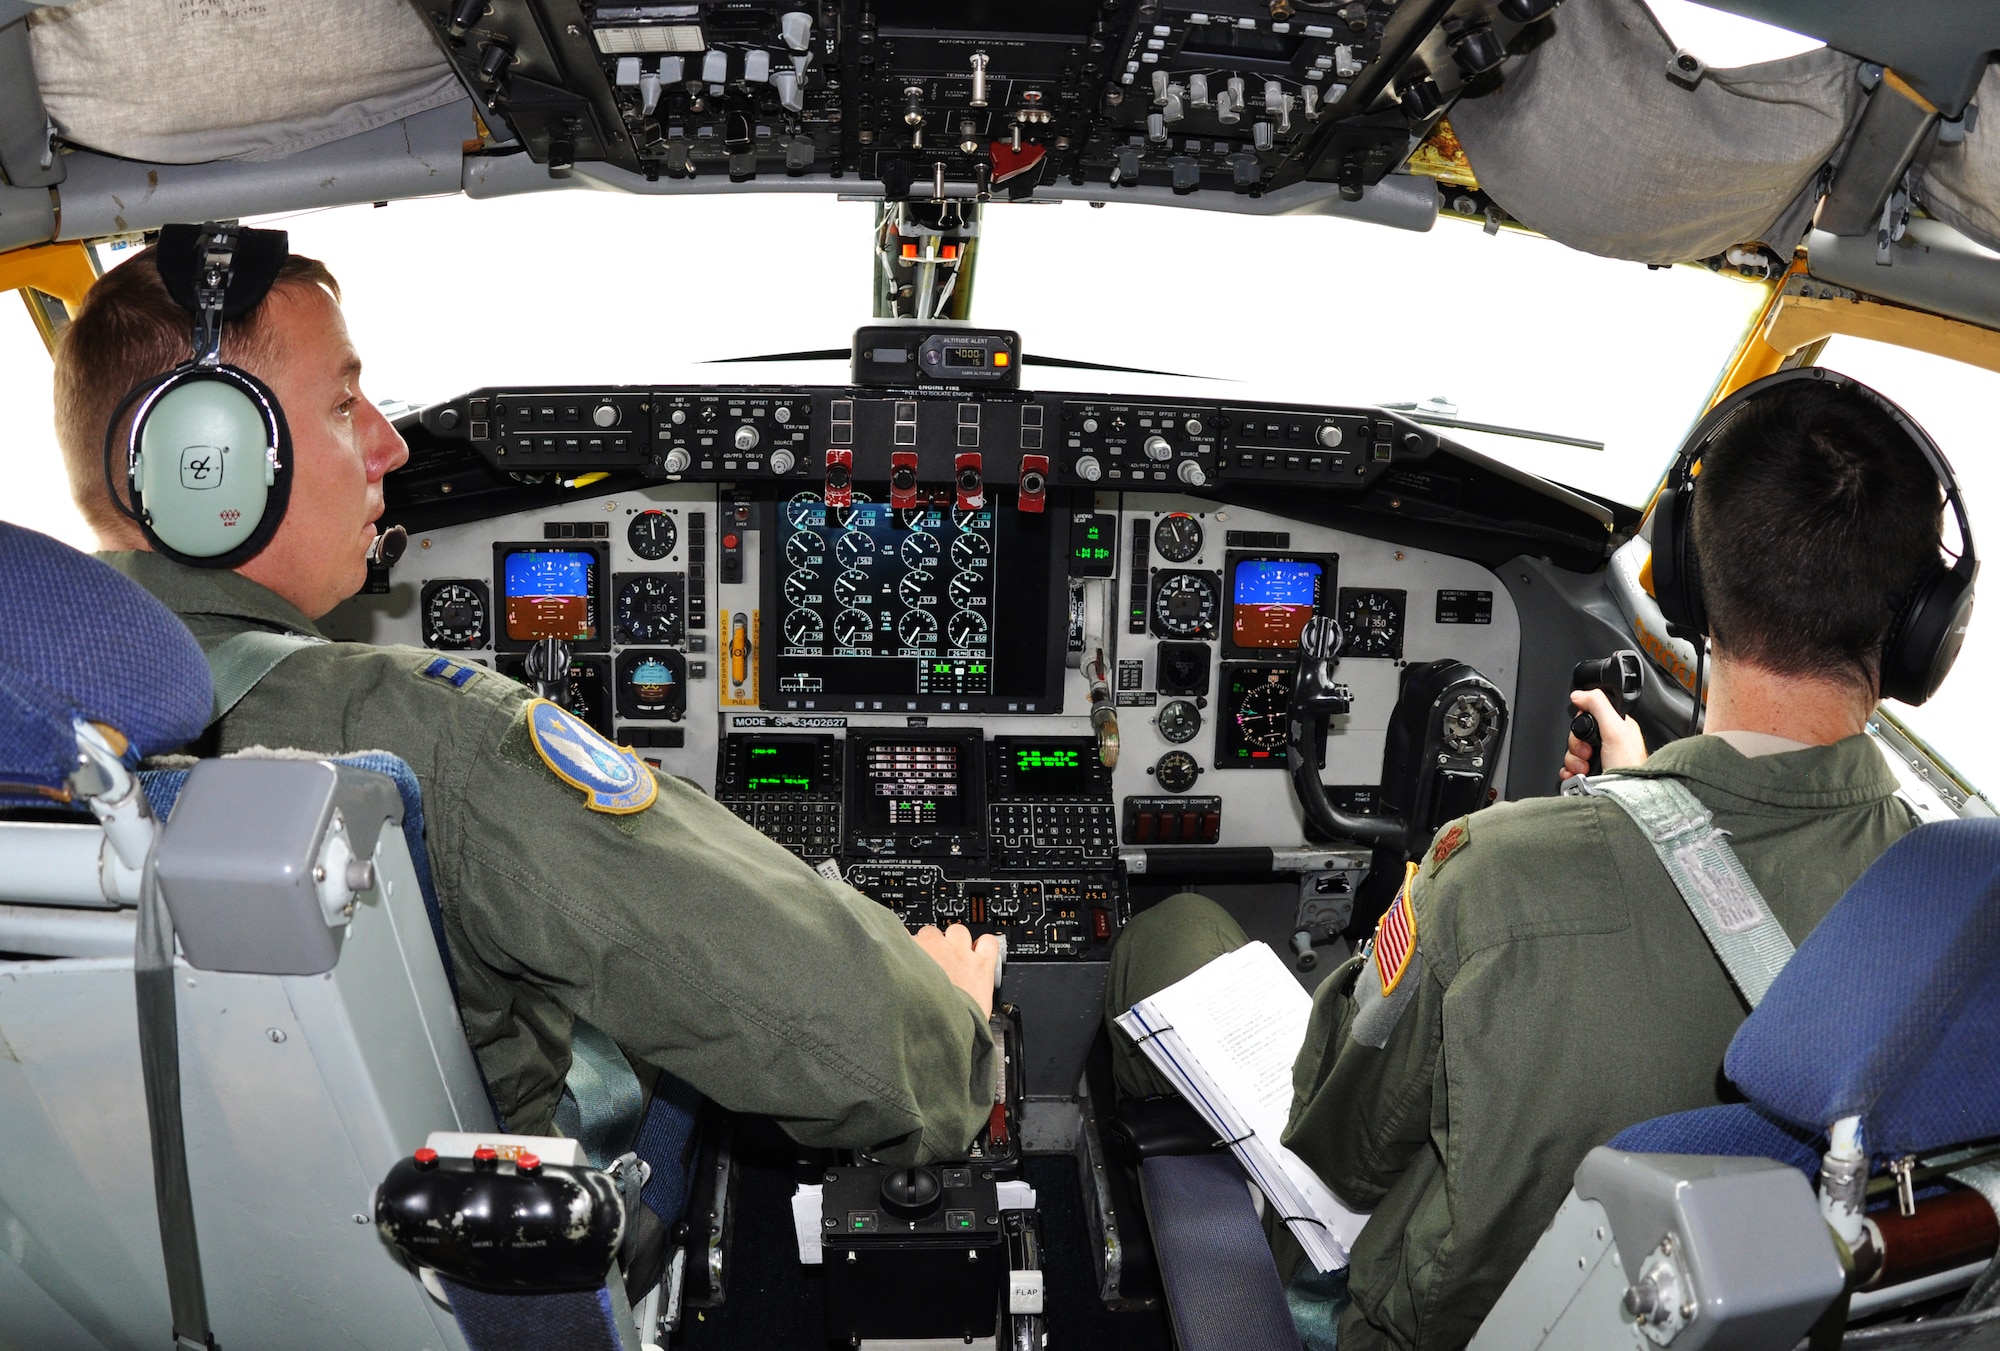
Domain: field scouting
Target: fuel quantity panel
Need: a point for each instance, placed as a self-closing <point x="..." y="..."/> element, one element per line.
<point x="1208" y="602"/>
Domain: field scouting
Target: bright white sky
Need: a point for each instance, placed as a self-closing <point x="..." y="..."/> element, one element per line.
<point x="447" y="294"/>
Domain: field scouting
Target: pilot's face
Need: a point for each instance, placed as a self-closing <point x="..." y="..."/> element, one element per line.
<point x="341" y="448"/>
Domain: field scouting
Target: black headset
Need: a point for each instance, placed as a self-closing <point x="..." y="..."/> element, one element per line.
<point x="208" y="460"/>
<point x="1929" y="626"/>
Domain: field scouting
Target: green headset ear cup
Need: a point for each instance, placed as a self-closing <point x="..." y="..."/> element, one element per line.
<point x="211" y="464"/>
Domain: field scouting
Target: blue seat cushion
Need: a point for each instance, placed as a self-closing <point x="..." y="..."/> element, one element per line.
<point x="1890" y="1009"/>
<point x="80" y="640"/>
<point x="1738" y="1129"/>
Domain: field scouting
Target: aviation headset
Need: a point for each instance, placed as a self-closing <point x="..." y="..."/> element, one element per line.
<point x="1929" y="627"/>
<point x="208" y="460"/>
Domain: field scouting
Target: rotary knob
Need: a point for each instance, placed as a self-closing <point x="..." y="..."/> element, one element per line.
<point x="1157" y="447"/>
<point x="746" y="437"/>
<point x="604" y="415"/>
<point x="782" y="461"/>
<point x="1088" y="469"/>
<point x="677" y="461"/>
<point x="1191" y="473"/>
<point x="1329" y="436"/>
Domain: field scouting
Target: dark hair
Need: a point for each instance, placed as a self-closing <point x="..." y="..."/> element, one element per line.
<point x="1814" y="514"/>
<point x="129" y="329"/>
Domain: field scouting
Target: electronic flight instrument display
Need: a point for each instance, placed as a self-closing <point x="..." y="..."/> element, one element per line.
<point x="904" y="609"/>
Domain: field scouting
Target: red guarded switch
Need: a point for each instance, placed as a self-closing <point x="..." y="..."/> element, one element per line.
<point x="903" y="479"/>
<point x="969" y="481"/>
<point x="839" y="478"/>
<point x="1034" y="482"/>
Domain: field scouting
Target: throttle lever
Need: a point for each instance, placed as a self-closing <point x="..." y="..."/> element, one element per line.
<point x="1315" y="695"/>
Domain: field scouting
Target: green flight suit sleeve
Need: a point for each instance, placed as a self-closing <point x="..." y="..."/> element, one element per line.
<point x="1364" y="1080"/>
<point x="697" y="944"/>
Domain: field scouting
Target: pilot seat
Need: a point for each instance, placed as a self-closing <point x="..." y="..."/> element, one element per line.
<point x="234" y="1087"/>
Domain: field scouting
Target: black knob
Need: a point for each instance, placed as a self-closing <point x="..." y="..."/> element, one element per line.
<point x="838" y="476"/>
<point x="1032" y="483"/>
<point x="447" y="418"/>
<point x="903" y="478"/>
<point x="467" y="13"/>
<point x="1527" y="11"/>
<point x="1421" y="98"/>
<point x="968" y="480"/>
<point x="494" y="58"/>
<point x="1478" y="50"/>
<point x="911" y="1193"/>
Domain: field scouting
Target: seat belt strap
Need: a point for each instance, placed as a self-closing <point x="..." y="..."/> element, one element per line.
<point x="1752" y="946"/>
<point x="160" y="1065"/>
<point x="238" y="662"/>
<point x="604" y="1101"/>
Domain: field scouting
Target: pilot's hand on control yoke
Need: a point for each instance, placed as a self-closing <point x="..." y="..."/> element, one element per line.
<point x="969" y="965"/>
<point x="1624" y="744"/>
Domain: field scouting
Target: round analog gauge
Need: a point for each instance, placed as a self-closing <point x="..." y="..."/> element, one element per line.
<point x="649" y="609"/>
<point x="966" y="628"/>
<point x="802" y="587"/>
<point x="853" y="587"/>
<point x="1184" y="605"/>
<point x="917" y="587"/>
<point x="805" y="549"/>
<point x="1179" y="721"/>
<point x="1373" y="623"/>
<point x="1469" y="722"/>
<point x="966" y="520"/>
<point x="1260" y="717"/>
<point x="1176" y="771"/>
<point x="803" y="629"/>
<point x="909" y="518"/>
<point x="921" y="550"/>
<point x="852" y="628"/>
<point x="455" y="615"/>
<point x="917" y="628"/>
<point x="842" y="517"/>
<point x="853" y="548"/>
<point x="652" y="535"/>
<point x="964" y="586"/>
<point x="967" y="548"/>
<point x="805" y="509"/>
<point x="1177" y="537"/>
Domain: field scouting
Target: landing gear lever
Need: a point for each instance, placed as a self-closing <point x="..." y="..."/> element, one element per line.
<point x="1315" y="695"/>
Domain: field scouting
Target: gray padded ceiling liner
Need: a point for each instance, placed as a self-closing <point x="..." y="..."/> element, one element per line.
<point x="1590" y="143"/>
<point x="171" y="82"/>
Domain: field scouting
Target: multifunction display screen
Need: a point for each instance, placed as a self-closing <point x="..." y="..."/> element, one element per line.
<point x="781" y="767"/>
<point x="1271" y="599"/>
<point x="548" y="594"/>
<point x="1047" y="771"/>
<point x="913" y="783"/>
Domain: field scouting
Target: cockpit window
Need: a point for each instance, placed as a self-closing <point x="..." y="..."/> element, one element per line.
<point x="1954" y="402"/>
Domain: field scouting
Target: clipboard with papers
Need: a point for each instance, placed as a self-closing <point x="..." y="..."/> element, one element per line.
<point x="1227" y="1036"/>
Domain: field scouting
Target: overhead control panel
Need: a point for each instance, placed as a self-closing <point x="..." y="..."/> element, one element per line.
<point x="978" y="99"/>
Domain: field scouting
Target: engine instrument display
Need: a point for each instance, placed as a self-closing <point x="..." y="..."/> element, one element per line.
<point x="902" y="609"/>
<point x="455" y="614"/>
<point x="549" y="593"/>
<point x="1272" y="598"/>
<point x="1372" y="622"/>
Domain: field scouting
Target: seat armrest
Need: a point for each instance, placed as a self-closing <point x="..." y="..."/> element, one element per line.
<point x="1152" y="1127"/>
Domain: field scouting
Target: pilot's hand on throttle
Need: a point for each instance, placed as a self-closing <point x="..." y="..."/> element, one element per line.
<point x="967" y="964"/>
<point x="1624" y="744"/>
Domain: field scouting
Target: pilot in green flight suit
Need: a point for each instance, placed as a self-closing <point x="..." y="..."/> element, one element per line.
<point x="646" y="909"/>
<point x="1558" y="988"/>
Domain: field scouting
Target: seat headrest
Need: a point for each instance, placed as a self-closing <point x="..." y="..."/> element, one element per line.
<point x="78" y="639"/>
<point x="1890" y="1010"/>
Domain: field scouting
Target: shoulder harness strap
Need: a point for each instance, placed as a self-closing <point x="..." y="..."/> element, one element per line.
<point x="1752" y="946"/>
<point x="238" y="662"/>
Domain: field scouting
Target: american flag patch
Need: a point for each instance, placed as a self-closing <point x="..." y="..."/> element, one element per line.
<point x="1396" y="936"/>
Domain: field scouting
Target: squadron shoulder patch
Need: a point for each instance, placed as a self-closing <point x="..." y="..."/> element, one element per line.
<point x="611" y="777"/>
<point x="452" y="673"/>
<point x="1396" y="936"/>
<point x="1453" y="839"/>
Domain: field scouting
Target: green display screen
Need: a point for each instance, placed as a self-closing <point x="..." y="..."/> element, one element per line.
<point x="1048" y="771"/>
<point x="1093" y="544"/>
<point x="783" y="768"/>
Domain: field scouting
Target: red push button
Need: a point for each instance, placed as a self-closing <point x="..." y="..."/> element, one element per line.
<point x="730" y="541"/>
<point x="426" y="1158"/>
<point x="525" y="1162"/>
<point x="1142" y="827"/>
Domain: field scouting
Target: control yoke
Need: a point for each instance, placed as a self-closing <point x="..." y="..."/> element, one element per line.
<point x="1315" y="695"/>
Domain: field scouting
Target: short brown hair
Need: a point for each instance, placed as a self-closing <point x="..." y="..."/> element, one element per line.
<point x="1814" y="515"/>
<point x="128" y="330"/>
